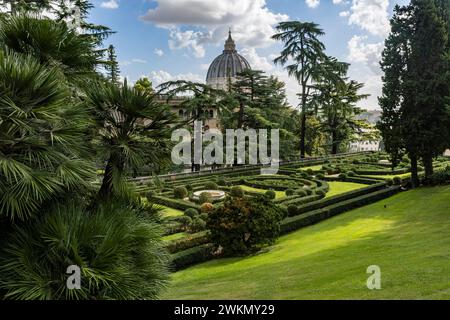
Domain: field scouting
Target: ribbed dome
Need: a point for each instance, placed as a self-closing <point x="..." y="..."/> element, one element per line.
<point x="228" y="64"/>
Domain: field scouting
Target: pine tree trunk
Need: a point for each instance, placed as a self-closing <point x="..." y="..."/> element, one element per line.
<point x="428" y="163"/>
<point x="414" y="173"/>
<point x="334" y="144"/>
<point x="303" y="136"/>
<point x="241" y="115"/>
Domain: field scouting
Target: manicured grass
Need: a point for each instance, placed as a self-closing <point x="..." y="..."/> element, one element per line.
<point x="171" y="212"/>
<point x="279" y="194"/>
<point x="175" y="236"/>
<point x="314" y="168"/>
<point x="407" y="236"/>
<point x="389" y="176"/>
<point x="337" y="187"/>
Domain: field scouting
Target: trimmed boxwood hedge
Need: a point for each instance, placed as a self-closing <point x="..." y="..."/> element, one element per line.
<point x="299" y="221"/>
<point x="174" y="203"/>
<point x="188" y="242"/>
<point x="301" y="200"/>
<point x="381" y="172"/>
<point x="340" y="197"/>
<point x="186" y="258"/>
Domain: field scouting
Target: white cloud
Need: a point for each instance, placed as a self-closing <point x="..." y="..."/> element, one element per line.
<point x="344" y="13"/>
<point x="371" y="16"/>
<point x="365" y="68"/>
<point x="367" y="53"/>
<point x="196" y="23"/>
<point x="110" y="4"/>
<point x="130" y="62"/>
<point x="162" y="76"/>
<point x="187" y="39"/>
<point x="312" y="3"/>
<point x="256" y="61"/>
<point x="159" y="52"/>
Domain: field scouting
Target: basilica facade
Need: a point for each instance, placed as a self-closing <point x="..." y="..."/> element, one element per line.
<point x="221" y="74"/>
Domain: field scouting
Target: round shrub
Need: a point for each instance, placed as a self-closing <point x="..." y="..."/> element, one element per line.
<point x="184" y="220"/>
<point x="242" y="181"/>
<point x="222" y="182"/>
<point x="303" y="192"/>
<point x="244" y="225"/>
<point x="351" y="174"/>
<point x="191" y="213"/>
<point x="320" y="176"/>
<point x="197" y="225"/>
<point x="292" y="210"/>
<point x="206" y="207"/>
<point x="310" y="171"/>
<point x="290" y="192"/>
<point x="270" y="194"/>
<point x="180" y="192"/>
<point x="320" y="193"/>
<point x="343" y="176"/>
<point x="211" y="185"/>
<point x="205" y="197"/>
<point x="389" y="182"/>
<point x="237" y="192"/>
<point x="397" y="181"/>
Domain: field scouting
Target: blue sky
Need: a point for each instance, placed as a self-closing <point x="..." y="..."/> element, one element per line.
<point x="178" y="39"/>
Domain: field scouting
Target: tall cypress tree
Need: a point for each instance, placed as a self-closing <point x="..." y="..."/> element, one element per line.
<point x="393" y="64"/>
<point x="416" y="84"/>
<point x="112" y="67"/>
<point x="427" y="83"/>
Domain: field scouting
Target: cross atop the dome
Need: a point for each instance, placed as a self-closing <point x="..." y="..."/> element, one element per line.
<point x="229" y="44"/>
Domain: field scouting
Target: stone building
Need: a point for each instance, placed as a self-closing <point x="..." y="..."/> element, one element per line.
<point x="221" y="74"/>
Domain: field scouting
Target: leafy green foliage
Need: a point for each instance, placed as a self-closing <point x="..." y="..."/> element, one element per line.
<point x="205" y="197"/>
<point x="180" y="193"/>
<point x="191" y="212"/>
<point x="120" y="256"/>
<point x="270" y="194"/>
<point x="237" y="192"/>
<point x="41" y="137"/>
<point x="126" y="140"/>
<point x="211" y="185"/>
<point x="244" y="225"/>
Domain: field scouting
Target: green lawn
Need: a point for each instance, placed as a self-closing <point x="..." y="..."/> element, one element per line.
<point x="279" y="194"/>
<point x="409" y="239"/>
<point x="389" y="176"/>
<point x="171" y="212"/>
<point x="314" y="168"/>
<point x="175" y="236"/>
<point x="337" y="187"/>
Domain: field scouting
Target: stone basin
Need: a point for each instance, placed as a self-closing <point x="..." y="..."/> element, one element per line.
<point x="215" y="194"/>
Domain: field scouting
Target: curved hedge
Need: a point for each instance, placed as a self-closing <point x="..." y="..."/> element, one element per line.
<point x="188" y="242"/>
<point x="299" y="221"/>
<point x="173" y="203"/>
<point x="340" y="197"/>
